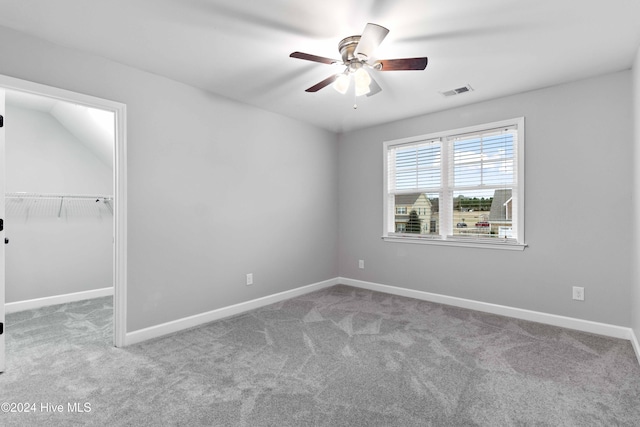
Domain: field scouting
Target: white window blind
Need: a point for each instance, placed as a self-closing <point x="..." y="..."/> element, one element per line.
<point x="464" y="185"/>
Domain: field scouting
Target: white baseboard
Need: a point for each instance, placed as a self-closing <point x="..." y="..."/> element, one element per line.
<point x="518" y="313"/>
<point x="636" y="344"/>
<point x="12" y="307"/>
<point x="200" y="319"/>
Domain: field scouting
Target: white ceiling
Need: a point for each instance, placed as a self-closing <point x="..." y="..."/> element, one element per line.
<point x="240" y="49"/>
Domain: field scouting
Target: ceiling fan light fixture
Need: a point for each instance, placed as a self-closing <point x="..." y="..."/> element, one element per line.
<point x="362" y="80"/>
<point x="342" y="83"/>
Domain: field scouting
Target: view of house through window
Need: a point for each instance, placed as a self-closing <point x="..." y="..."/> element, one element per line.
<point x="462" y="184"/>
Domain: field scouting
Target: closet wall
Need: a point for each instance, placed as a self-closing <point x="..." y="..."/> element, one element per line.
<point x="56" y="245"/>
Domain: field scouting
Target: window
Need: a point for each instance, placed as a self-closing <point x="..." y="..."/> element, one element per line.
<point x="463" y="187"/>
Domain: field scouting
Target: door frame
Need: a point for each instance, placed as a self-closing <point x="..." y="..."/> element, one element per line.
<point x="119" y="187"/>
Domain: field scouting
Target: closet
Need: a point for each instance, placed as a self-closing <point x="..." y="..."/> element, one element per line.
<point x="59" y="203"/>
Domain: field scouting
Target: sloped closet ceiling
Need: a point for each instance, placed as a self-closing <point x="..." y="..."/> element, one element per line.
<point x="93" y="128"/>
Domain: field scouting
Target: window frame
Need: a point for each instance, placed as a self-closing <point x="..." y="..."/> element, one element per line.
<point x="445" y="236"/>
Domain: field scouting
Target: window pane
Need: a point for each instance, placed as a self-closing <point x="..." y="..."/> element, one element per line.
<point x="417" y="213"/>
<point x="467" y="151"/>
<point x="499" y="146"/>
<point x="484" y="160"/>
<point x="497" y="173"/>
<point x="482" y="213"/>
<point x="467" y="176"/>
<point x="417" y="167"/>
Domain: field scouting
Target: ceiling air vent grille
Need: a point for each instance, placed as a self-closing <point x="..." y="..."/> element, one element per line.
<point x="457" y="91"/>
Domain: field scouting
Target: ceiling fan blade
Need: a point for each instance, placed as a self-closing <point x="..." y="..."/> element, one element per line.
<point x="374" y="87"/>
<point x="401" y="64"/>
<point x="314" y="58"/>
<point x="370" y="39"/>
<point x="326" y="82"/>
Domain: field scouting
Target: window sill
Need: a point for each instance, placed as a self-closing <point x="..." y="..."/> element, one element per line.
<point x="466" y="243"/>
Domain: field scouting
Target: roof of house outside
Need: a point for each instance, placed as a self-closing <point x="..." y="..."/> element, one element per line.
<point x="498" y="210"/>
<point x="410" y="199"/>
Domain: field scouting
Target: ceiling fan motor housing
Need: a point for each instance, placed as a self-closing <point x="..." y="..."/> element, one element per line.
<point x="347" y="47"/>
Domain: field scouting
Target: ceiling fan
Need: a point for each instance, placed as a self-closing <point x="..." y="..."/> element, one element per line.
<point x="356" y="52"/>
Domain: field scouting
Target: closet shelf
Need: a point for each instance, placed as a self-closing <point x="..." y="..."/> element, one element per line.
<point x="59" y="205"/>
<point x="57" y="196"/>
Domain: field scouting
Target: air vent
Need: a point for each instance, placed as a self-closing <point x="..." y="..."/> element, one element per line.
<point x="457" y="91"/>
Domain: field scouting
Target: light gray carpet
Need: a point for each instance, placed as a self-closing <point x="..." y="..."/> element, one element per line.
<point x="337" y="357"/>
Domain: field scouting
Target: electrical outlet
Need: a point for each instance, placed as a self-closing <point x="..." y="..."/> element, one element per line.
<point x="361" y="264"/>
<point x="578" y="293"/>
<point x="249" y="279"/>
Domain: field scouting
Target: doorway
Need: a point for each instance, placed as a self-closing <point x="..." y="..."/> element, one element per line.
<point x="114" y="203"/>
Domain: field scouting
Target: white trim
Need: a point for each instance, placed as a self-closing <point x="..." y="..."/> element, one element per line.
<point x="120" y="228"/>
<point x="636" y="344"/>
<point x="518" y="313"/>
<point x="220" y="313"/>
<point x="460" y="242"/>
<point x="120" y="186"/>
<point x="30" y="304"/>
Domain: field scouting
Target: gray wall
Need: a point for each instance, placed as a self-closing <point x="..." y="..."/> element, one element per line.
<point x="578" y="206"/>
<point x="635" y="298"/>
<point x="50" y="255"/>
<point x="216" y="189"/>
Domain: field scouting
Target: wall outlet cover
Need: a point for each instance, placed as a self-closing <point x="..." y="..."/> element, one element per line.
<point x="578" y="293"/>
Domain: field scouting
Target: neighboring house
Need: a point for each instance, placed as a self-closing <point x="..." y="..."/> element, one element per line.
<point x="501" y="213"/>
<point x="405" y="203"/>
